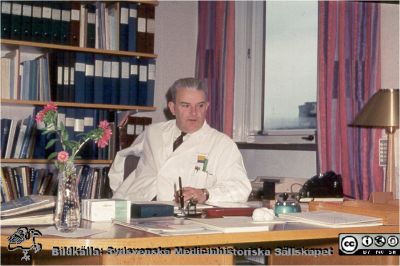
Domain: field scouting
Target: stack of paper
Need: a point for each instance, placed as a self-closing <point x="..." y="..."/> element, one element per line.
<point x="333" y="219"/>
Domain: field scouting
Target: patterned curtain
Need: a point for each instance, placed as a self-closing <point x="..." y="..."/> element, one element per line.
<point x="348" y="75"/>
<point x="215" y="61"/>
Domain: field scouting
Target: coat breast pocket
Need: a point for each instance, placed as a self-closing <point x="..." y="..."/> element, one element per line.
<point x="203" y="179"/>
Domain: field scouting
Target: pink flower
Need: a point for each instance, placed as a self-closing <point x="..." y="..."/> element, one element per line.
<point x="39" y="117"/>
<point x="62" y="156"/>
<point x="49" y="107"/>
<point x="106" y="136"/>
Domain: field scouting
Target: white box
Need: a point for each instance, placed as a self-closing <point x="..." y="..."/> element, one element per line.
<point x="102" y="210"/>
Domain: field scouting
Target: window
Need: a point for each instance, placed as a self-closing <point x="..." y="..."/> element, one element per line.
<point x="290" y="66"/>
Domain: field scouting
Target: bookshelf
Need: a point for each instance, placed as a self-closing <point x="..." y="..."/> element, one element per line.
<point x="82" y="105"/>
<point x="118" y="34"/>
<point x="50" y="46"/>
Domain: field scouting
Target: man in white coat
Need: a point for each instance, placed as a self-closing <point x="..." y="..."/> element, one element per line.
<point x="208" y="162"/>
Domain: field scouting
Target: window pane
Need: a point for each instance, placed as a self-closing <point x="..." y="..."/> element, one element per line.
<point x="291" y="33"/>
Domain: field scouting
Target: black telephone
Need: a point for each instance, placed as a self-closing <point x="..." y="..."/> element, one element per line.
<point x="327" y="185"/>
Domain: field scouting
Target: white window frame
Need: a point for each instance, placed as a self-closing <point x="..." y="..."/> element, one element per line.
<point x="249" y="71"/>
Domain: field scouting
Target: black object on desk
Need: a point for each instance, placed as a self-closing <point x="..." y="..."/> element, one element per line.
<point x="151" y="210"/>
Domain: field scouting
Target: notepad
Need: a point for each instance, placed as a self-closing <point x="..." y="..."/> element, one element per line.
<point x="333" y="219"/>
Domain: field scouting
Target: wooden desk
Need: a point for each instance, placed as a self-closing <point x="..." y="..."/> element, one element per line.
<point x="292" y="235"/>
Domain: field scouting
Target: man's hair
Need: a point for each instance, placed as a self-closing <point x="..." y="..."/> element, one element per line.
<point x="190" y="83"/>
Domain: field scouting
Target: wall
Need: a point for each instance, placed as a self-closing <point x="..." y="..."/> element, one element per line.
<point x="175" y="45"/>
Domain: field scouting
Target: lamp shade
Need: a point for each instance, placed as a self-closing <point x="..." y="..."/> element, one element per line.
<point x="381" y="110"/>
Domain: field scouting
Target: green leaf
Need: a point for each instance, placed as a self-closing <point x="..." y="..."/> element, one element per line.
<point x="50" y="143"/>
<point x="52" y="155"/>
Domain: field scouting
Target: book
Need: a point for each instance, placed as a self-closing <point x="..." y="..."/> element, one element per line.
<point x="5" y="130"/>
<point x="333" y="219"/>
<point x="42" y="217"/>
<point x="27" y="204"/>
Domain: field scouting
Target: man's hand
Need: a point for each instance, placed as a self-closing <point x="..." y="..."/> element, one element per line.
<point x="198" y="194"/>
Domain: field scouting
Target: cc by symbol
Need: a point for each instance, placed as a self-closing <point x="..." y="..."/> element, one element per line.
<point x="367" y="241"/>
<point x="348" y="244"/>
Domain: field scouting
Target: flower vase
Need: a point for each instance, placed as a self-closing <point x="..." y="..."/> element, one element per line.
<point x="68" y="214"/>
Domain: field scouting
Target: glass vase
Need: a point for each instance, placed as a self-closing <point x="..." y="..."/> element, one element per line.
<point x="68" y="214"/>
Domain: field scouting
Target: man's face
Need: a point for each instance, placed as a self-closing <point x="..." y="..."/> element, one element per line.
<point x="189" y="109"/>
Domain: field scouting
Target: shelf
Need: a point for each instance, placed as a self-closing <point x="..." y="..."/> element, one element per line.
<point x="45" y="161"/>
<point x="74" y="48"/>
<point x="81" y="105"/>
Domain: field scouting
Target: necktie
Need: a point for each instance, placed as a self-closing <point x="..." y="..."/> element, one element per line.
<point x="178" y="141"/>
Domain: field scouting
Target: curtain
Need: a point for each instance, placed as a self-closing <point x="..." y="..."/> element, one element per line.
<point x="348" y="75"/>
<point x="215" y="62"/>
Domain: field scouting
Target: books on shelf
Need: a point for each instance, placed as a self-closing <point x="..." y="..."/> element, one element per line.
<point x="23" y="181"/>
<point x="333" y="219"/>
<point x="104" y="25"/>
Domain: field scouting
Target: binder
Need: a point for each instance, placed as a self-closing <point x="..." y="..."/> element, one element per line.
<point x="89" y="124"/>
<point x="115" y="70"/>
<point x="70" y="122"/>
<point x="46" y="22"/>
<point x="98" y="78"/>
<point x="124" y="81"/>
<point x="89" y="78"/>
<point x="75" y="23"/>
<point x="66" y="78"/>
<point x="80" y="77"/>
<point x="60" y="76"/>
<point x="91" y="26"/>
<point x="61" y="120"/>
<point x="123" y="27"/>
<point x="107" y="81"/>
<point x="5" y="19"/>
<point x="36" y="21"/>
<point x="79" y="116"/>
<point x="65" y="35"/>
<point x="26" y="31"/>
<point x="141" y="28"/>
<point x="151" y="77"/>
<point x="132" y="27"/>
<point x="133" y="81"/>
<point x="71" y="88"/>
<point x="150" y="29"/>
<point x="55" y="22"/>
<point x="16" y="20"/>
<point x="142" y="89"/>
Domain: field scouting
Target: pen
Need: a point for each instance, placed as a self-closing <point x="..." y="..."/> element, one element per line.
<point x="181" y="200"/>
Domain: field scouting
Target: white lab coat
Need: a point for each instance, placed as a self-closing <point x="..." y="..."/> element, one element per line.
<point x="159" y="168"/>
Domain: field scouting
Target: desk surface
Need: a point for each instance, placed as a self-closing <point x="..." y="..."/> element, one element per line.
<point x="120" y="236"/>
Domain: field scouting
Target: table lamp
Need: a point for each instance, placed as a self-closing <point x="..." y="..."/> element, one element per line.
<point x="382" y="111"/>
